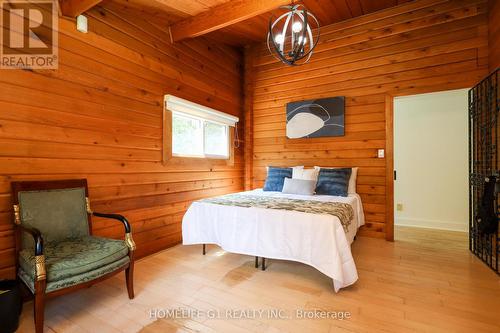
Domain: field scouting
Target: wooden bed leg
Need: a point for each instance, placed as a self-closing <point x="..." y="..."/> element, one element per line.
<point x="204" y="249"/>
<point x="256" y="262"/>
<point x="263" y="263"/>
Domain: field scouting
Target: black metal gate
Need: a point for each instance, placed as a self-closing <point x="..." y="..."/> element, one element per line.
<point x="483" y="162"/>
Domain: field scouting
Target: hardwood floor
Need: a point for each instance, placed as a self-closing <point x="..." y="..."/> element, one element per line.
<point x="426" y="281"/>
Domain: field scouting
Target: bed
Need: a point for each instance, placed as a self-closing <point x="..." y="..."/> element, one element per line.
<point x="316" y="239"/>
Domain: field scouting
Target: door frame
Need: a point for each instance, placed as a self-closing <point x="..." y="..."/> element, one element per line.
<point x="389" y="167"/>
<point x="389" y="149"/>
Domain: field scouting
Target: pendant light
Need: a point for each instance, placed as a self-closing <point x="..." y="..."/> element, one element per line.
<point x="293" y="36"/>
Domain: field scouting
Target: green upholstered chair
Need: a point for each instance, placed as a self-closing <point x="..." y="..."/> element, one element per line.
<point x="55" y="250"/>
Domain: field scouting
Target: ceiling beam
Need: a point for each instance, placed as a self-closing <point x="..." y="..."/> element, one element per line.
<point x="73" y="8"/>
<point x="222" y="16"/>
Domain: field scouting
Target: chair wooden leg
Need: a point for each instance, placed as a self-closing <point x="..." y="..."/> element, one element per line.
<point x="39" y="305"/>
<point x="129" y="277"/>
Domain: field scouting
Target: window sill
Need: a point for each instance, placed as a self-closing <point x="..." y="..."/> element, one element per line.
<point x="206" y="157"/>
<point x="182" y="162"/>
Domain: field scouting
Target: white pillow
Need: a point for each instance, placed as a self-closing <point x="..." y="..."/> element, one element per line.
<point x="307" y="174"/>
<point x="352" y="179"/>
<point x="298" y="167"/>
<point x="299" y="186"/>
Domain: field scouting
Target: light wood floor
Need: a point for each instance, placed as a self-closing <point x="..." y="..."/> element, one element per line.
<point x="426" y="281"/>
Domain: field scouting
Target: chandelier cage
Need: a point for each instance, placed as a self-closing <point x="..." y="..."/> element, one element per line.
<point x="291" y="39"/>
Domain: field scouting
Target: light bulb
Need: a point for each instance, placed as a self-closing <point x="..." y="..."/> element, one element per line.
<point x="279" y="39"/>
<point x="297" y="26"/>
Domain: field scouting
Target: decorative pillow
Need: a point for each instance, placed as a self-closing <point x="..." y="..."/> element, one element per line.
<point x="299" y="186"/>
<point x="276" y="178"/>
<point x="307" y="174"/>
<point x="333" y="181"/>
<point x="298" y="167"/>
<point x="352" y="179"/>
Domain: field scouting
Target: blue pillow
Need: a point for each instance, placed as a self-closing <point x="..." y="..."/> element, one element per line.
<point x="276" y="178"/>
<point x="333" y="182"/>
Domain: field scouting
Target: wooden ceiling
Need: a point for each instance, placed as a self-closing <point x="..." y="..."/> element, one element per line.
<point x="167" y="12"/>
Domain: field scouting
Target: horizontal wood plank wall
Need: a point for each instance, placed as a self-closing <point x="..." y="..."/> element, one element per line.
<point x="100" y="117"/>
<point x="494" y="34"/>
<point x="421" y="46"/>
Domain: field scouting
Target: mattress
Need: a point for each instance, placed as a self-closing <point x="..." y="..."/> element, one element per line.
<point x="318" y="240"/>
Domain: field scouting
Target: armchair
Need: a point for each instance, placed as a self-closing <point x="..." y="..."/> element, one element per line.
<point x="56" y="252"/>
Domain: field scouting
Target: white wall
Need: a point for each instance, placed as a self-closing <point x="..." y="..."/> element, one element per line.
<point x="431" y="159"/>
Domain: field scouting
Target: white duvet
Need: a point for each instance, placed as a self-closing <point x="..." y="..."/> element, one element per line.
<point x="314" y="239"/>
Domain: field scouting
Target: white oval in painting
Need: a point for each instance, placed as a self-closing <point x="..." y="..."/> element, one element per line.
<point x="303" y="124"/>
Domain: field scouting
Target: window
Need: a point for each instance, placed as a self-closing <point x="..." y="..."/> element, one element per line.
<point x="198" y="131"/>
<point x="216" y="139"/>
<point x="187" y="135"/>
<point x="198" y="137"/>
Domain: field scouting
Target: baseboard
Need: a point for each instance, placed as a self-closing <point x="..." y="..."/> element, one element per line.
<point x="432" y="224"/>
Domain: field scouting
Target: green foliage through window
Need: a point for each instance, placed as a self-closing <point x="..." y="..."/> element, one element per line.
<point x="197" y="137"/>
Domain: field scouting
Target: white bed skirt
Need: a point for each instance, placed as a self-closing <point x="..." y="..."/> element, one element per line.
<point x="312" y="239"/>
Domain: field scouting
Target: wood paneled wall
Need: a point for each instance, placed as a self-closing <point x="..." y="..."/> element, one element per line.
<point x="494" y="34"/>
<point x="421" y="46"/>
<point x="99" y="116"/>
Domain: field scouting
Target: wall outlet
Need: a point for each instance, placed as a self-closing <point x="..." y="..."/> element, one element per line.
<point x="399" y="207"/>
<point x="381" y="153"/>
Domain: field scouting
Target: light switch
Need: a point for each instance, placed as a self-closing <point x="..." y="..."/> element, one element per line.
<point x="82" y="24"/>
<point x="381" y="153"/>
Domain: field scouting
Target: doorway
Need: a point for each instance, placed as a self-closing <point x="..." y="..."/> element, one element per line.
<point x="431" y="161"/>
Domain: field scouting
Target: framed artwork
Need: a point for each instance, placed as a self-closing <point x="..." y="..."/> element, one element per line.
<point x="315" y="118"/>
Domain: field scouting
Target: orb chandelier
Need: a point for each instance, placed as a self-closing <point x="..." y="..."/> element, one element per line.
<point x="293" y="36"/>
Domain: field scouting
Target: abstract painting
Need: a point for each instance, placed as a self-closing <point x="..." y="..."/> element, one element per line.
<point x="315" y="118"/>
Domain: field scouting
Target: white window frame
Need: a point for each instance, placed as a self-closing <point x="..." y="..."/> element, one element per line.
<point x="205" y="114"/>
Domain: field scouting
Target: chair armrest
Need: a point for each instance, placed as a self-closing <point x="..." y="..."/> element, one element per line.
<point x="118" y="217"/>
<point x="37" y="237"/>
<point x="128" y="231"/>
<point x="40" y="272"/>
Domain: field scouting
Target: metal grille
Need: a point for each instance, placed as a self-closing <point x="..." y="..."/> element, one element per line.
<point x="483" y="162"/>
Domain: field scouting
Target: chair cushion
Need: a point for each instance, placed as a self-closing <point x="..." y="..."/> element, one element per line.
<point x="74" y="280"/>
<point x="74" y="256"/>
<point x="58" y="214"/>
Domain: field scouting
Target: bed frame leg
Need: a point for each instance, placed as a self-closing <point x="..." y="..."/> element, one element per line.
<point x="256" y="262"/>
<point x="263" y="263"/>
<point x="204" y="249"/>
